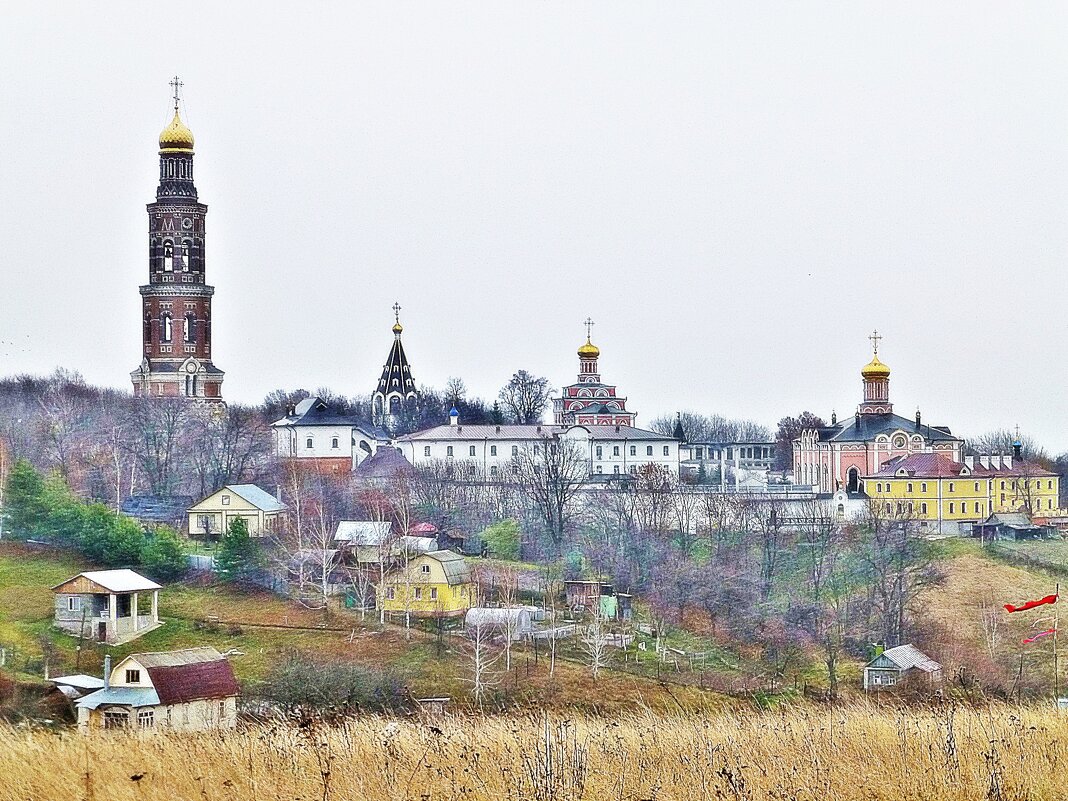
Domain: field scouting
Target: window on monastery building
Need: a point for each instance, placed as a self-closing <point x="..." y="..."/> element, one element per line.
<point x="923" y="508"/>
<point x="515" y="450"/>
<point x="648" y="450"/>
<point x="1049" y="485"/>
<point x="133" y="676"/>
<point x="976" y="486"/>
<point x="426" y="450"/>
<point x="615" y="469"/>
<point x="166" y="334"/>
<point x="493" y="470"/>
<point x="186" y="256"/>
<point x="910" y="507"/>
<point x="448" y="451"/>
<point x="333" y="442"/>
<point x="309" y="443"/>
<point x="493" y="450"/>
<point x="600" y="469"/>
<point x="600" y="452"/>
<point x="699" y="453"/>
<point x="923" y="487"/>
<point x="168" y="257"/>
<point x="908" y="487"/>
<point x="951" y="507"/>
<point x="951" y="486"/>
<point x="471" y="451"/>
<point x="667" y="450"/>
<point x="887" y="508"/>
<point x="615" y="450"/>
<point x="634" y="450"/>
<point x="536" y="451"/>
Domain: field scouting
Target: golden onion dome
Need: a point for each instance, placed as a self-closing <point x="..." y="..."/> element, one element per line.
<point x="875" y="369"/>
<point x="589" y="350"/>
<point x="176" y="136"/>
<point x="397" y="327"/>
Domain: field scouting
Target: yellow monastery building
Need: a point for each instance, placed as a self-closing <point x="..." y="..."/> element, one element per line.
<point x="435" y="584"/>
<point x="950" y="495"/>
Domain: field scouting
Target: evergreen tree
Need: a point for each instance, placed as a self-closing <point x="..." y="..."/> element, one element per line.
<point x="163" y="555"/>
<point x="25" y="512"/>
<point x="238" y="555"/>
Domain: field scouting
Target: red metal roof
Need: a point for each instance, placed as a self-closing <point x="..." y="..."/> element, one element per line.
<point x="175" y="684"/>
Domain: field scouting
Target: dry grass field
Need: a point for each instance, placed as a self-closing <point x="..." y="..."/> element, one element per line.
<point x="858" y="752"/>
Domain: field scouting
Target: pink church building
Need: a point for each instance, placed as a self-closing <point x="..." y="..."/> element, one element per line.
<point x="589" y="401"/>
<point x="838" y="456"/>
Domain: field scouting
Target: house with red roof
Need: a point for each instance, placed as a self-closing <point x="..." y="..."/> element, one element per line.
<point x="189" y="690"/>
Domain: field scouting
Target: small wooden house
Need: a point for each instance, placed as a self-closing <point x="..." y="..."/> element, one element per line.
<point x="434" y="584"/>
<point x="585" y="595"/>
<point x="190" y="690"/>
<point x="904" y="663"/>
<point x="112" y="606"/>
<point x="212" y="516"/>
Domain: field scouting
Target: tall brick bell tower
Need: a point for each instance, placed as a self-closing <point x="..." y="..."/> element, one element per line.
<point x="176" y="301"/>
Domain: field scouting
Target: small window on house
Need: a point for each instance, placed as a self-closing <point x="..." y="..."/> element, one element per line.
<point x="116" y="719"/>
<point x="144" y="719"/>
<point x="493" y="450"/>
<point x="391" y="593"/>
<point x="424" y="568"/>
<point x="417" y="593"/>
<point x="133" y="676"/>
<point x="74" y="603"/>
<point x="699" y="453"/>
<point x="471" y="451"/>
<point x="226" y="498"/>
<point x="433" y="593"/>
<point x="448" y="451"/>
<point x="333" y="443"/>
<point x="426" y="450"/>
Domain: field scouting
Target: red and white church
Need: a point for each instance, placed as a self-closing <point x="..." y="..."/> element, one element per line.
<point x="589" y="401"/>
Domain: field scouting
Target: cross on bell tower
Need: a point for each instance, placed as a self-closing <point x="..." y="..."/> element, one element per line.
<point x="875" y="338"/>
<point x="176" y="85"/>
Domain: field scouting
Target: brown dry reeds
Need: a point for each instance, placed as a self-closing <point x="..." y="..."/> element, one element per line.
<point x="860" y="752"/>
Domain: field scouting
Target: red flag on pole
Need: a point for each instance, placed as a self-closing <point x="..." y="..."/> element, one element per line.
<point x="1039" y="636"/>
<point x="1049" y="599"/>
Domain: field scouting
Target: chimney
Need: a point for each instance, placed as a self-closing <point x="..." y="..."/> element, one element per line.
<point x="1006" y="460"/>
<point x="107" y="671"/>
<point x="984" y="460"/>
<point x="454" y="416"/>
<point x="858" y="418"/>
<point x="917" y="417"/>
<point x="617" y="429"/>
<point x="969" y="462"/>
<point x="834" y="418"/>
<point x="498" y="429"/>
<point x="539" y="429"/>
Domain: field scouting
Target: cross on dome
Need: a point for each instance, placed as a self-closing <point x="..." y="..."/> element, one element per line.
<point x="589" y="327"/>
<point x="875" y="338"/>
<point x="176" y="84"/>
<point x="397" y="327"/>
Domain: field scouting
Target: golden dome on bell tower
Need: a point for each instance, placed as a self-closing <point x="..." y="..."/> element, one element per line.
<point x="875" y="369"/>
<point x="176" y="137"/>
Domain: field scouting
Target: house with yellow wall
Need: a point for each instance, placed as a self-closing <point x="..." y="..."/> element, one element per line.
<point x="212" y="516"/>
<point x="950" y="496"/>
<point x="434" y="584"/>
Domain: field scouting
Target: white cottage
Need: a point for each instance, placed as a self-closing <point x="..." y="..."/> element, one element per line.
<point x="190" y="690"/>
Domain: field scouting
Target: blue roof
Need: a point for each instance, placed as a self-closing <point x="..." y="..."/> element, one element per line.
<point x="453" y="412"/>
<point x="259" y="498"/>
<point x="123" y="696"/>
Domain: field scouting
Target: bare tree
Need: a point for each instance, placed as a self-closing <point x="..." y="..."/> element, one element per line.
<point x="552" y="472"/>
<point x="526" y="397"/>
<point x="595" y="642"/>
<point x="482" y="655"/>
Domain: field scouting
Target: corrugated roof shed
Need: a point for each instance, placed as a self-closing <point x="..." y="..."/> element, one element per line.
<point x="259" y="498"/>
<point x="908" y="656"/>
<point x="122" y="580"/>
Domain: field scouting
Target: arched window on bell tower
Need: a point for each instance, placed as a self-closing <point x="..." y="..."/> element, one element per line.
<point x="148" y="330"/>
<point x="166" y="325"/>
<point x="187" y="255"/>
<point x="190" y="328"/>
<point x="168" y="257"/>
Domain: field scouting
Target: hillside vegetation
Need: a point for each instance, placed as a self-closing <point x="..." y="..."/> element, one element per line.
<point x="846" y="754"/>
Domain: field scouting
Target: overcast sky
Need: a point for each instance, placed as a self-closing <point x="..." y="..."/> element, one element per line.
<point x="737" y="193"/>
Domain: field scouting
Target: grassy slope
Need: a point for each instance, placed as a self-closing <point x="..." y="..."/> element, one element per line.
<point x="26" y="577"/>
